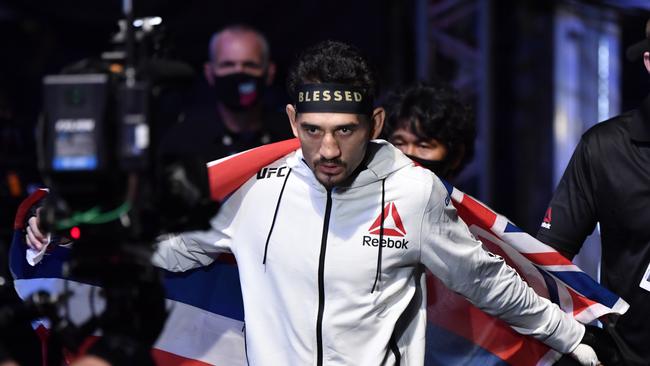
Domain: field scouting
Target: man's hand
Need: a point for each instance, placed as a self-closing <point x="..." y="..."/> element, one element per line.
<point x="35" y="238"/>
<point x="585" y="355"/>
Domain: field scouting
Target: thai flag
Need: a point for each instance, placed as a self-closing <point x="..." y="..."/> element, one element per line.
<point x="206" y="323"/>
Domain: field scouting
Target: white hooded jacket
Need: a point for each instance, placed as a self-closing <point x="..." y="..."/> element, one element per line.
<point x="318" y="288"/>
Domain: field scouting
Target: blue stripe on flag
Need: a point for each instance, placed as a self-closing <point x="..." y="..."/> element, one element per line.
<point x="50" y="267"/>
<point x="511" y="228"/>
<point x="586" y="286"/>
<point x="551" y="286"/>
<point x="214" y="288"/>
<point x="448" y="186"/>
<point x="444" y="348"/>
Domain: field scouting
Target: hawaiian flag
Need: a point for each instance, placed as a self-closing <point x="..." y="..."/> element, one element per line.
<point x="206" y="322"/>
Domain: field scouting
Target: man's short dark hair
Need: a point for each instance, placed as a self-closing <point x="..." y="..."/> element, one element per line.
<point x="331" y="62"/>
<point x="436" y="111"/>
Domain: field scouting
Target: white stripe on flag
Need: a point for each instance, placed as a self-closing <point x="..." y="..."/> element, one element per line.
<point x="189" y="332"/>
<point x="549" y="358"/>
<point x="198" y="334"/>
<point x="80" y="311"/>
<point x="528" y="270"/>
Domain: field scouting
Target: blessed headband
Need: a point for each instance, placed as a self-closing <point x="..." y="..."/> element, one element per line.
<point x="332" y="98"/>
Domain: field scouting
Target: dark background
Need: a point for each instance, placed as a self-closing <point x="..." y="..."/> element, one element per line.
<point x="40" y="37"/>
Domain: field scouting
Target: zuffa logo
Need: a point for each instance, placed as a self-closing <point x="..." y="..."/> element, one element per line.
<point x="393" y="228"/>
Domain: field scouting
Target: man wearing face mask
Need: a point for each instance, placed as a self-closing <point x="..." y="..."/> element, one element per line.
<point x="430" y="124"/>
<point x="239" y="72"/>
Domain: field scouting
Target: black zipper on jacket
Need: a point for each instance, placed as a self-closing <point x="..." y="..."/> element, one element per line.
<point x="321" y="281"/>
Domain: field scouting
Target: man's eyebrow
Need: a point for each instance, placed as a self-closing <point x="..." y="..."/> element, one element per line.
<point x="252" y="64"/>
<point x="246" y="63"/>
<point x="306" y="124"/>
<point x="225" y="63"/>
<point x="350" y="125"/>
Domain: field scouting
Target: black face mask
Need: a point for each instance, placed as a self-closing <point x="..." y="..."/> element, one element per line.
<point x="240" y="91"/>
<point x="440" y="168"/>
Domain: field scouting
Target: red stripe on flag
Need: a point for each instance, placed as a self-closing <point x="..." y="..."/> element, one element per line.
<point x="580" y="303"/>
<point x="547" y="258"/>
<point x="25" y="205"/>
<point x="164" y="358"/>
<point x="474" y="213"/>
<point x="228" y="175"/>
<point x="452" y="312"/>
<point x="43" y="335"/>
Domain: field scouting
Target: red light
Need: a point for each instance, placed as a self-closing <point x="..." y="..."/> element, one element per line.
<point x="75" y="233"/>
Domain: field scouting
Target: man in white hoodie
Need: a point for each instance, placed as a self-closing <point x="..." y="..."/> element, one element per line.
<point x="331" y="241"/>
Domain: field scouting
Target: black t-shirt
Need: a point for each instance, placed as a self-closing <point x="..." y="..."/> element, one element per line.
<point x="607" y="181"/>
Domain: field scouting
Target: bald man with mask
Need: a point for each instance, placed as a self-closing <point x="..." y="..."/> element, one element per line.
<point x="239" y="72"/>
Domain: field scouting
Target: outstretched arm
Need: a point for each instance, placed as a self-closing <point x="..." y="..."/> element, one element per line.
<point x="451" y="252"/>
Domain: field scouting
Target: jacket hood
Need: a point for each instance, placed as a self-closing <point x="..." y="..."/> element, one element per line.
<point x="381" y="160"/>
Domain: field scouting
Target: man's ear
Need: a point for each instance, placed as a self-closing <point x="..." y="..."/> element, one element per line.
<point x="270" y="73"/>
<point x="291" y="113"/>
<point x="208" y="72"/>
<point x="378" y="116"/>
<point x="646" y="60"/>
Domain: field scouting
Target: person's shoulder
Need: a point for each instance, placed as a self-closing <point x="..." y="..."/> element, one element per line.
<point x="273" y="173"/>
<point x="414" y="178"/>
<point x="415" y="174"/>
<point x="610" y="129"/>
<point x="261" y="183"/>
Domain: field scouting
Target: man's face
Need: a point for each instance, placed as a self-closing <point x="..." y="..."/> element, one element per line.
<point x="333" y="144"/>
<point x="238" y="52"/>
<point x="409" y="143"/>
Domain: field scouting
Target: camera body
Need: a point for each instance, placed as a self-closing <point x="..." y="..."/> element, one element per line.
<point x="111" y="192"/>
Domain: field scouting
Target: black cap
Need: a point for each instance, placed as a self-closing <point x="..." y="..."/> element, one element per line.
<point x="635" y="51"/>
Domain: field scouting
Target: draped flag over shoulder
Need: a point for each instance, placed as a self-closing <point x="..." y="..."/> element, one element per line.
<point x="206" y="323"/>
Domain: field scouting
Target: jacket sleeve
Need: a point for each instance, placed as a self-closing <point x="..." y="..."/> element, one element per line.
<point x="193" y="249"/>
<point x="451" y="252"/>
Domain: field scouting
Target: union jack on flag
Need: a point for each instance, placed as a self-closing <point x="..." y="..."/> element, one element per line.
<point x="453" y="321"/>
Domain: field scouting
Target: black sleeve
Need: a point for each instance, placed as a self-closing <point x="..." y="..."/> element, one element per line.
<point x="571" y="215"/>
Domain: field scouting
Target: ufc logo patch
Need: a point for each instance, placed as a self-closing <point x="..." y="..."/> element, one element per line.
<point x="272" y="172"/>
